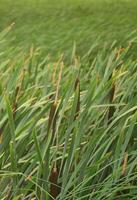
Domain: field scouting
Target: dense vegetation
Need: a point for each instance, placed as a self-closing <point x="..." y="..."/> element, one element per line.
<point x="68" y="120"/>
<point x="68" y="131"/>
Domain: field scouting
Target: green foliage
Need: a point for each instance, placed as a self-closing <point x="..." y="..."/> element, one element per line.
<point x="68" y="131"/>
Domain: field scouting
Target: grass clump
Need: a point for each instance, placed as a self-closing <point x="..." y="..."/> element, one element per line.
<point x="68" y="131"/>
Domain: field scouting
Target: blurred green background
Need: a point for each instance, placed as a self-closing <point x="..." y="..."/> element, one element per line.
<point x="56" y="24"/>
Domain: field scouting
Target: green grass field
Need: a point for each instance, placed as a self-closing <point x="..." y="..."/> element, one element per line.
<point x="68" y="120"/>
<point x="56" y="25"/>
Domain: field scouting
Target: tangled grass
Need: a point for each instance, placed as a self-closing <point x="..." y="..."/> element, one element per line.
<point x="68" y="131"/>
